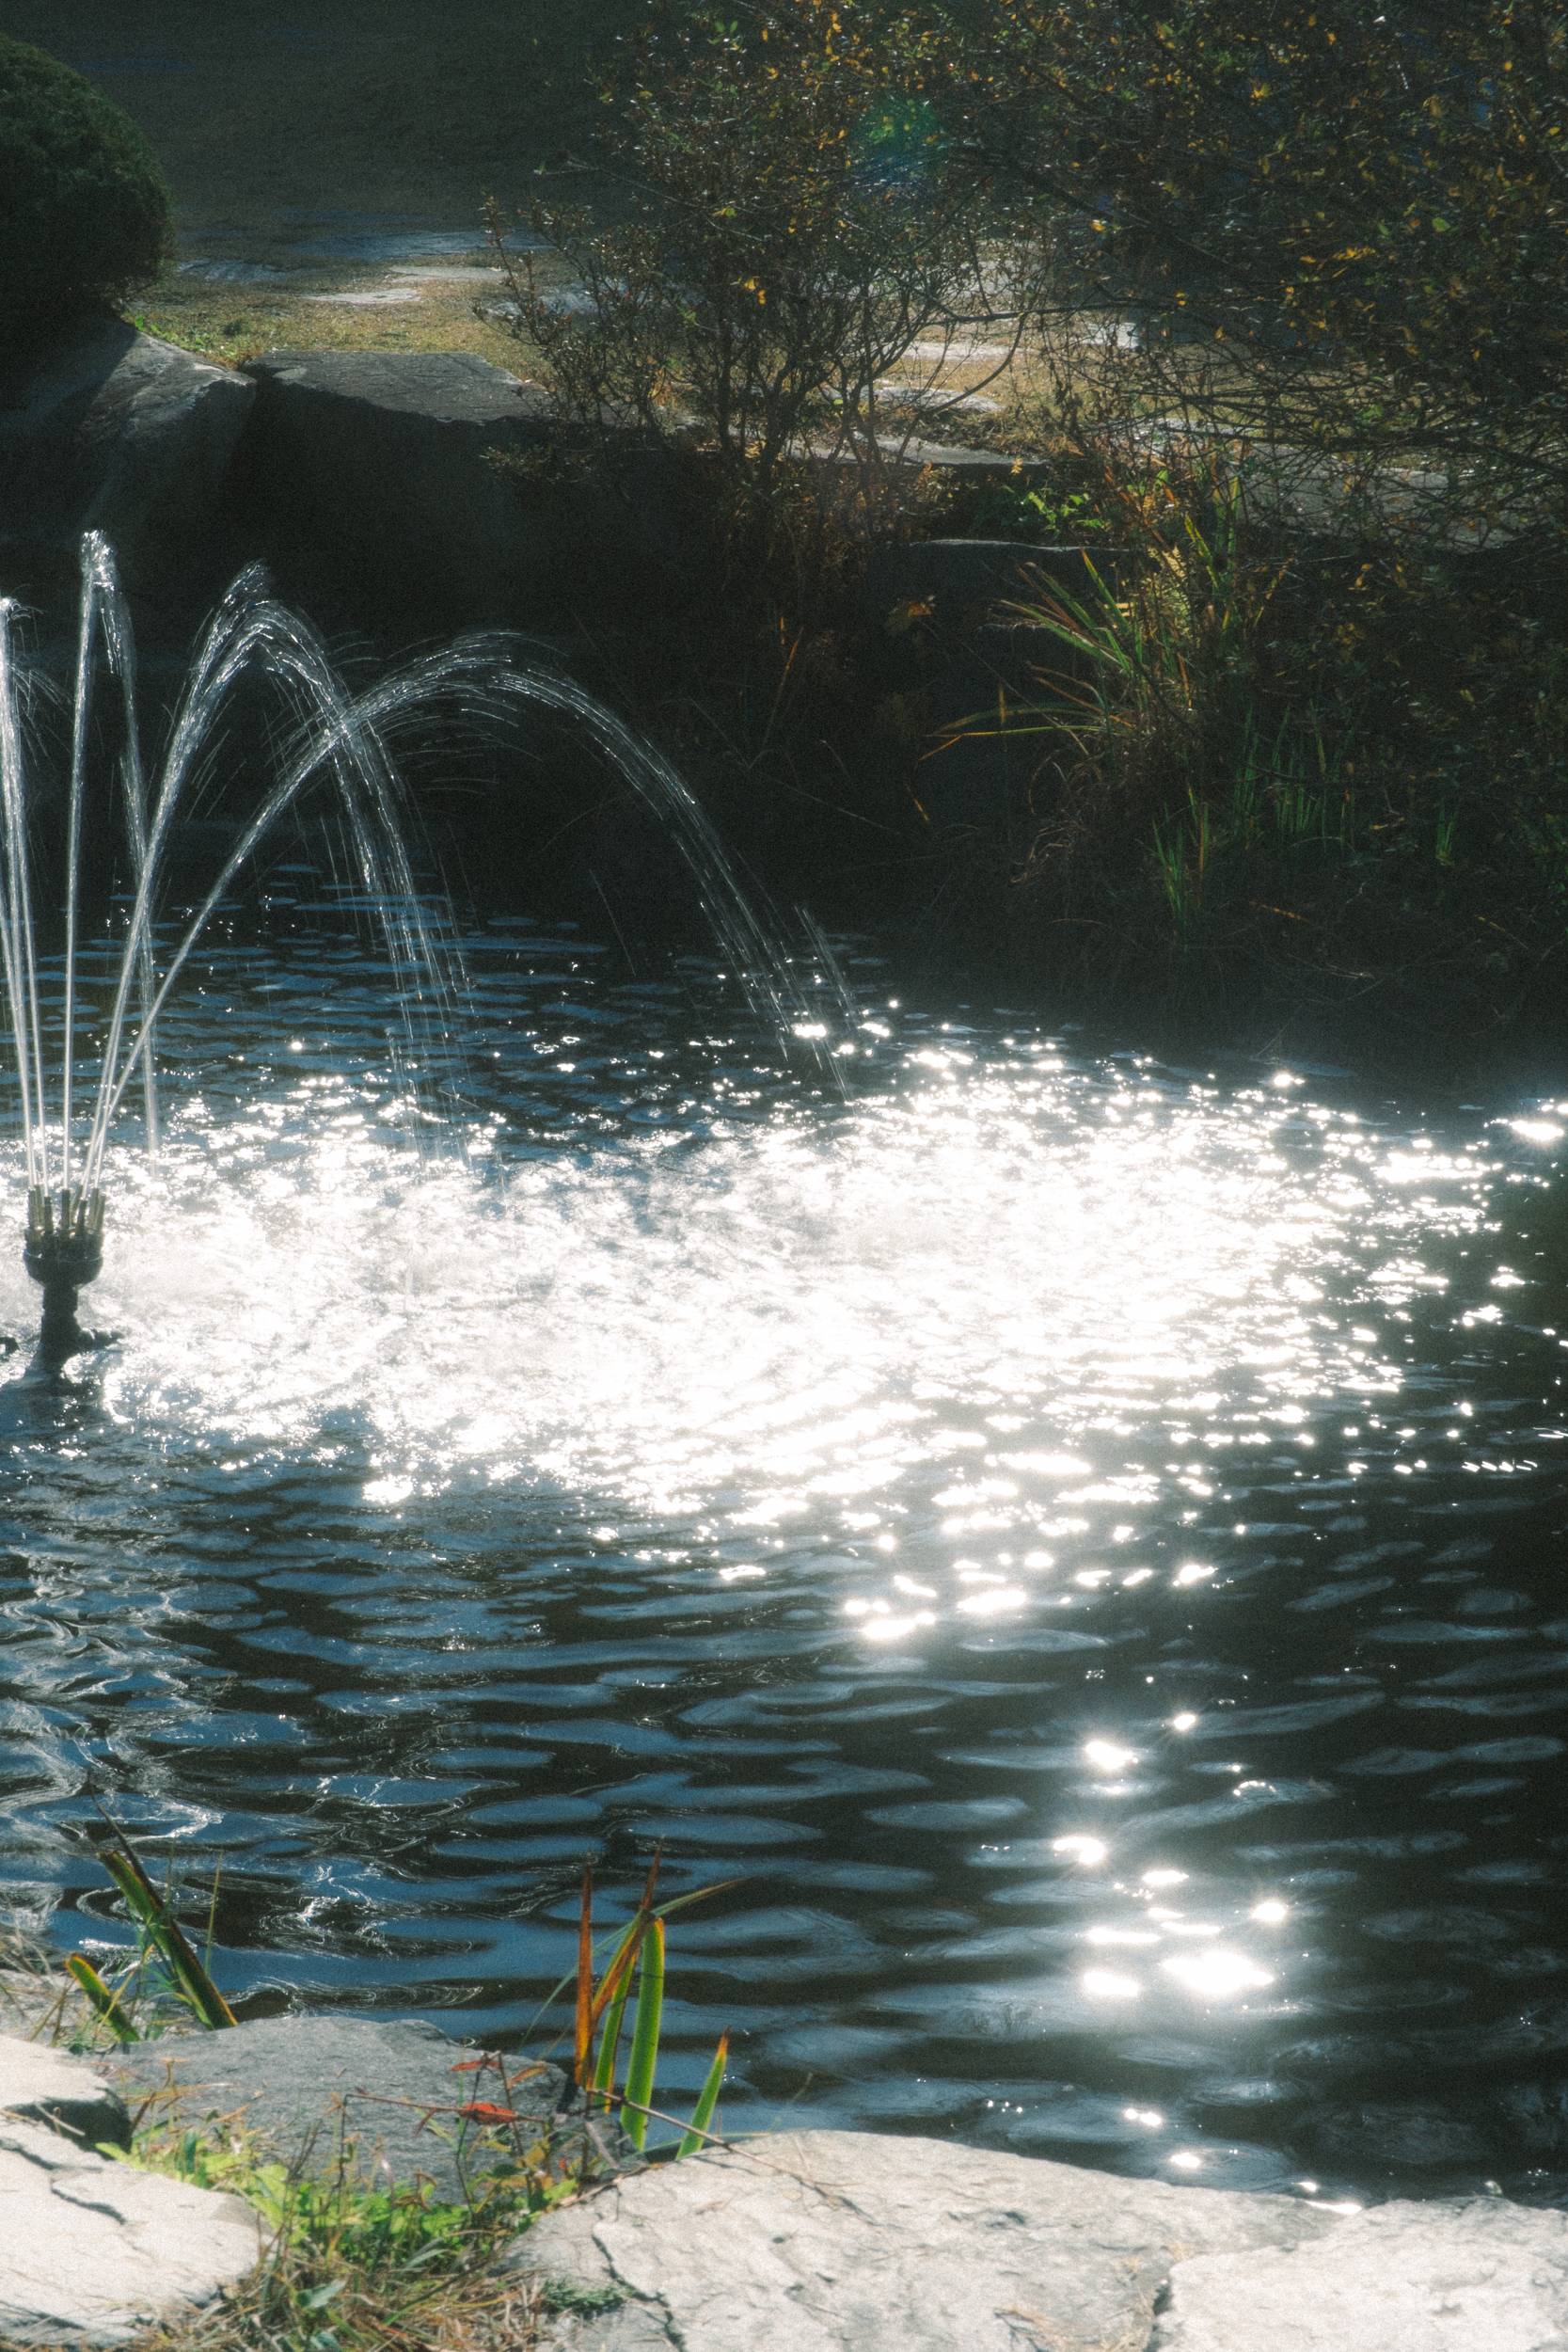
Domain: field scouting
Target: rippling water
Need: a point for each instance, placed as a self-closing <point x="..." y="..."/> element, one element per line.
<point x="1083" y="1539"/>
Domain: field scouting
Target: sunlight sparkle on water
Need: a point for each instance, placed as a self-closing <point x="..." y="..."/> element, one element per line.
<point x="1087" y="1851"/>
<point x="1216" y="1974"/>
<point x="1108" y="1984"/>
<point x="802" y="1318"/>
<point x="974" y="1334"/>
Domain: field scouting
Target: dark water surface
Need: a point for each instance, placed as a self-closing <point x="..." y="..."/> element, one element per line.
<point x="1082" y="1538"/>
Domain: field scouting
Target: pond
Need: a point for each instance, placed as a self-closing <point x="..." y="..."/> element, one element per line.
<point x="1078" y="1541"/>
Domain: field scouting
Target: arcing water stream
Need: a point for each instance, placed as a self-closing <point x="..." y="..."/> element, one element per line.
<point x="1082" y="1539"/>
<point x="336" y="739"/>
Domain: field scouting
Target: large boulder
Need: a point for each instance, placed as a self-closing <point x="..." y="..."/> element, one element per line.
<point x="307" y="2086"/>
<point x="112" y="430"/>
<point x="376" y="469"/>
<point x="844" y="2242"/>
<point x="92" y="2251"/>
<point x="368" y="480"/>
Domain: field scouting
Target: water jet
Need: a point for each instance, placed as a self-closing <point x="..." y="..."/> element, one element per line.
<point x="330" y="736"/>
<point x="1084" y="1534"/>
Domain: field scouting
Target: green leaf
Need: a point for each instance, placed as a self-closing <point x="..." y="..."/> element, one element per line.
<point x="106" y="2004"/>
<point x="643" y="2061"/>
<point x="707" y="2101"/>
<point x="165" y="1935"/>
<point x="609" y="2042"/>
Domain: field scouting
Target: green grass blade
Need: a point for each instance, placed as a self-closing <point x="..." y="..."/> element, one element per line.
<point x="707" y="2100"/>
<point x="104" y="2003"/>
<point x="609" y="2042"/>
<point x="644" y="2062"/>
<point x="168" y="1938"/>
<point x="698" y="1895"/>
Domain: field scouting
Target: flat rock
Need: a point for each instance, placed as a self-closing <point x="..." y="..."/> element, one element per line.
<point x="307" y="2085"/>
<point x="43" y="2085"/>
<point x="115" y="431"/>
<point x="91" y="2250"/>
<point x="844" y="2242"/>
<point x="1477" y="2277"/>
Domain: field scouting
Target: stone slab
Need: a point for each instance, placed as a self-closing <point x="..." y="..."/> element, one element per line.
<point x="43" y="2085"/>
<point x="383" y="460"/>
<point x="845" y="2242"/>
<point x="1482" y="2276"/>
<point x="307" y="2085"/>
<point x="92" y="2251"/>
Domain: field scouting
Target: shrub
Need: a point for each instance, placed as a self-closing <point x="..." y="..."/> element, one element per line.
<point x="86" y="209"/>
<point x="1321" y="777"/>
<point x="1356" y="213"/>
<point x="793" y="227"/>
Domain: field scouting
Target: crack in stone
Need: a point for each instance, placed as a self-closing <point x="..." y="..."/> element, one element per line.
<point x="635" y="2295"/>
<point x="45" y="2162"/>
<point x="68" y="2196"/>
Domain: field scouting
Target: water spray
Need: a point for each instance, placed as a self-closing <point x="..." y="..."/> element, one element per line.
<point x="340" y="743"/>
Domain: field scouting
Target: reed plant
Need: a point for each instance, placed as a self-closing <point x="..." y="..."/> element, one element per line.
<point x="1195" y="781"/>
<point x="164" y="1973"/>
<point x="1160" y="679"/>
<point x="620" y="2000"/>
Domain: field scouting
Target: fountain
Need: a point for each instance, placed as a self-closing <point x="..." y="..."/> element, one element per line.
<point x="1079" y="1537"/>
<point x="332" y="735"/>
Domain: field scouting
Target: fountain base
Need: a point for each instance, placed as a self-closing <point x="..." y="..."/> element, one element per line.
<point x="63" y="1253"/>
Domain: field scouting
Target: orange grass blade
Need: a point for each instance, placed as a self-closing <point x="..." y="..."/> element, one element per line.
<point x="585" y="1977"/>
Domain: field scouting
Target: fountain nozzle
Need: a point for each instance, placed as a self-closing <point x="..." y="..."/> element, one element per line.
<point x="63" y="1253"/>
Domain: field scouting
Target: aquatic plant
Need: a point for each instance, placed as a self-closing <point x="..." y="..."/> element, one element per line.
<point x="599" y="2014"/>
<point x="164" y="1973"/>
<point x="165" y="1968"/>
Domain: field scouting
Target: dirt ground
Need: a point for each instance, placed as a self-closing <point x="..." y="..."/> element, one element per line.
<point x="330" y="159"/>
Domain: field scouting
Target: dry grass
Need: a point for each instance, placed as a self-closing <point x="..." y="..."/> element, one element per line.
<point x="490" y="2309"/>
<point x="351" y="2265"/>
<point x="236" y="321"/>
<point x="33" y="1996"/>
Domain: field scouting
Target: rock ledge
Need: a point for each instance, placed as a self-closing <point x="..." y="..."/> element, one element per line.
<point x="844" y="2242"/>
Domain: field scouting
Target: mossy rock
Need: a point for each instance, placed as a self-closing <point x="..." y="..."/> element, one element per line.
<point x="86" y="209"/>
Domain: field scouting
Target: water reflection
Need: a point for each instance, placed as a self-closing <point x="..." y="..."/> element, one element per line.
<point x="1080" y="1537"/>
